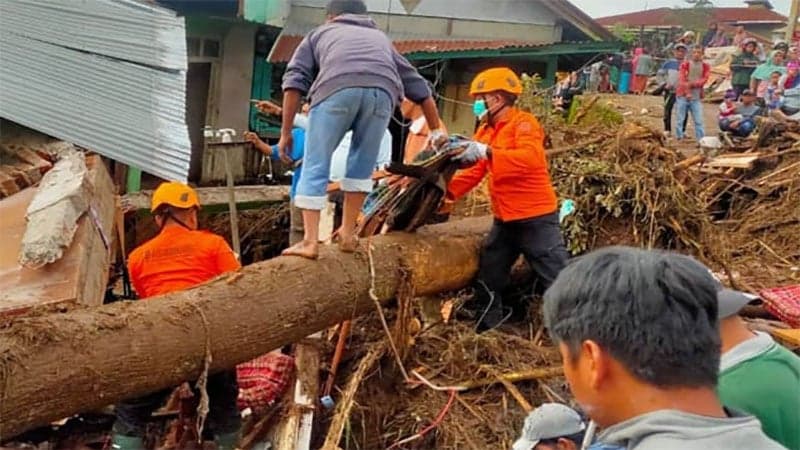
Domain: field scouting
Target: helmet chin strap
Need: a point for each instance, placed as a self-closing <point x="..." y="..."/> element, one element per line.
<point x="168" y="214"/>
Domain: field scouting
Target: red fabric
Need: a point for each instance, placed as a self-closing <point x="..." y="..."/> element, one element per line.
<point x="784" y="303"/>
<point x="639" y="83"/>
<point x="685" y="85"/>
<point x="263" y="380"/>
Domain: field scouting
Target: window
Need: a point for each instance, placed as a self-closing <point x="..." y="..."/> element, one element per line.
<point x="211" y="48"/>
<point x="203" y="48"/>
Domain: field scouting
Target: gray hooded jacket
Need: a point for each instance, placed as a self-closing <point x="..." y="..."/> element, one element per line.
<point x="349" y="52"/>
<point x="673" y="430"/>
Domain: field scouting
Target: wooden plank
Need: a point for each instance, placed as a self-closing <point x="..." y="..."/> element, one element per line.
<point x="79" y="277"/>
<point x="247" y="197"/>
<point x="790" y="336"/>
<point x="738" y="162"/>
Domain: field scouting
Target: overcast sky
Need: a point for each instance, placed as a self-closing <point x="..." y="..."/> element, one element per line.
<point x="602" y="8"/>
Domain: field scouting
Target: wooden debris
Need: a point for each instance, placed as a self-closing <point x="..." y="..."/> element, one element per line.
<point x="513" y="377"/>
<point x="247" y="197"/>
<point x="345" y="403"/>
<point x="734" y="160"/>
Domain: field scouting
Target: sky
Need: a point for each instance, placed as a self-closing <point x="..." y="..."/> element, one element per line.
<point x="602" y="8"/>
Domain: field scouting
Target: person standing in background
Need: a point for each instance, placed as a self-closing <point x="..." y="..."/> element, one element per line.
<point x="760" y="79"/>
<point x="710" y="34"/>
<point x="670" y="68"/>
<point x="739" y="36"/>
<point x="743" y="65"/>
<point x="692" y="77"/>
<point x="643" y="63"/>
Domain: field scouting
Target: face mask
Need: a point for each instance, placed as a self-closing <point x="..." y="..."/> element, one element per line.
<point x="479" y="108"/>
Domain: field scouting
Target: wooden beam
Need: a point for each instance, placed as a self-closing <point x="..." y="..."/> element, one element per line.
<point x="247" y="197"/>
<point x="80" y="276"/>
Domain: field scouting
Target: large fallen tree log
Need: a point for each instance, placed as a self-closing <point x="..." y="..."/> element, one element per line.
<point x="55" y="365"/>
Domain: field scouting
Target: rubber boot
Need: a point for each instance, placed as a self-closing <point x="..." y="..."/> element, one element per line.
<point x="490" y="313"/>
<point x="122" y="442"/>
<point x="228" y="441"/>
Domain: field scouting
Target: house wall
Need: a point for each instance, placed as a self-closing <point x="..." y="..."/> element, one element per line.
<point x="507" y="11"/>
<point x="541" y="29"/>
<point x="229" y="96"/>
<point x="236" y="76"/>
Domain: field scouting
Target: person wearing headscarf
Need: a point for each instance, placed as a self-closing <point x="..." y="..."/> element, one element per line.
<point x="760" y="79"/>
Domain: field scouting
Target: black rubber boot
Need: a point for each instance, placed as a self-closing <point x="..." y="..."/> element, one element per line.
<point x="490" y="312"/>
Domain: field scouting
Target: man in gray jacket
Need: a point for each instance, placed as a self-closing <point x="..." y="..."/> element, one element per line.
<point x="353" y="77"/>
<point x="638" y="333"/>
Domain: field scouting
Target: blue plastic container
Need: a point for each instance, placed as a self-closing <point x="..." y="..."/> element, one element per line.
<point x="624" y="82"/>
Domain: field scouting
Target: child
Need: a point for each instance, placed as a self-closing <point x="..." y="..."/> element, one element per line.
<point x="743" y="121"/>
<point x="728" y="107"/>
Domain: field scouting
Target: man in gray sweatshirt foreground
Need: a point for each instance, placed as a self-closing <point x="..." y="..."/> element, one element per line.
<point x="353" y="77"/>
<point x="638" y="333"/>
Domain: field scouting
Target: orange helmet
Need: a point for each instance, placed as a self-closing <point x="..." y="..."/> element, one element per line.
<point x="497" y="79"/>
<point x="174" y="194"/>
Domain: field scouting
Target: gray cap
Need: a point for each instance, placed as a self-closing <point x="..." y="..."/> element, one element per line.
<point x="549" y="421"/>
<point x="729" y="301"/>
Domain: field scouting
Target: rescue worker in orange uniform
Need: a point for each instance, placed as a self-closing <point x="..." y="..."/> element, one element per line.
<point x="178" y="258"/>
<point x="509" y="147"/>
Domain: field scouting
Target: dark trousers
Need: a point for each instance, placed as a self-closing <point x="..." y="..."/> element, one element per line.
<point x="538" y="239"/>
<point x="669" y="106"/>
<point x="223" y="416"/>
<point x="739" y="89"/>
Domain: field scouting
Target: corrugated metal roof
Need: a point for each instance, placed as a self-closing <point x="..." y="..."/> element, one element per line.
<point x="285" y="46"/>
<point x="101" y="27"/>
<point x="674" y="17"/>
<point x="108" y="75"/>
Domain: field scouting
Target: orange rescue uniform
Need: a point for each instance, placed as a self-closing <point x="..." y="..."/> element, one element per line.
<point x="177" y="259"/>
<point x="519" y="181"/>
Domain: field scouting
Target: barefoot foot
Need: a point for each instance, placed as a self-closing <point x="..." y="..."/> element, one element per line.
<point x="303" y="249"/>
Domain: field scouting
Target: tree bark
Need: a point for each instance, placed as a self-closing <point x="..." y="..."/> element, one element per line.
<point x="55" y="365"/>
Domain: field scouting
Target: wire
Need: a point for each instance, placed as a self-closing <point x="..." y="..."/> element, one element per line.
<point x="439" y="419"/>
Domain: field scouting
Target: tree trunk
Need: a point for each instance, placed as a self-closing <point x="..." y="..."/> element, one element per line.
<point x="55" y="365"/>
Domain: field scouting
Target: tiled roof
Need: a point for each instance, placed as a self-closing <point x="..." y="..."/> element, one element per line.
<point x="672" y="17"/>
<point x="286" y="44"/>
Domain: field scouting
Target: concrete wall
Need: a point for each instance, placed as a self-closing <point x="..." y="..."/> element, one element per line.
<point x="236" y="76"/>
<point x="229" y="96"/>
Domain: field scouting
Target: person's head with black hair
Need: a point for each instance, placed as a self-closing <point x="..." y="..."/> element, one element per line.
<point x="638" y="333"/>
<point x="336" y="8"/>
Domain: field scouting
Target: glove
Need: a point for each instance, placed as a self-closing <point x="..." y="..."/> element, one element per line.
<point x="474" y="152"/>
<point x="438" y="137"/>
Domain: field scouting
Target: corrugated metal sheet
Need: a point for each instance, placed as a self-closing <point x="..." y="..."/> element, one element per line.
<point x="108" y="75"/>
<point x="285" y="46"/>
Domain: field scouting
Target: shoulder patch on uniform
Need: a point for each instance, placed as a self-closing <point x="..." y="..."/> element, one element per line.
<point x="525" y="127"/>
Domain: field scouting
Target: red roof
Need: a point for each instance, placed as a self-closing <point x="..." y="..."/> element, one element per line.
<point x="285" y="46"/>
<point x="665" y="17"/>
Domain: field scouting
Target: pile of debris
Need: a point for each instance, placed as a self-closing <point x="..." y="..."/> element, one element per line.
<point x="629" y="187"/>
<point x="736" y="211"/>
